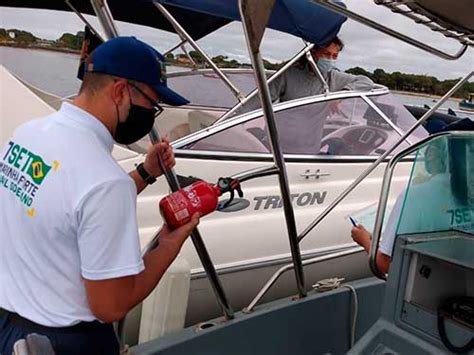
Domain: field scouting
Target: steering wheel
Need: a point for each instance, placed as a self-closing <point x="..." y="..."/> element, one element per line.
<point x="336" y="146"/>
<point x="360" y="140"/>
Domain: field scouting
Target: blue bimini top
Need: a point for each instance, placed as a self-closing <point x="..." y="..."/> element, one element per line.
<point x="300" y="18"/>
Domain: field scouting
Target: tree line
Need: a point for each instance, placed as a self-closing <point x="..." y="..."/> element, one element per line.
<point x="423" y="84"/>
<point x="26" y="39"/>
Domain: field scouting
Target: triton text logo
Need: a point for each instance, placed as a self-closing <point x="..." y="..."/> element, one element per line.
<point x="266" y="202"/>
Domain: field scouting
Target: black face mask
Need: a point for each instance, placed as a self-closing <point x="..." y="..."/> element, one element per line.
<point x="137" y="125"/>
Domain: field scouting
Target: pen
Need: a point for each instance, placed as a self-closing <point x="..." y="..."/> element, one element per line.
<point x="353" y="221"/>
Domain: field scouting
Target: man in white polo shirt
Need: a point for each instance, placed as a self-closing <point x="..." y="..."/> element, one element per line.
<point x="70" y="261"/>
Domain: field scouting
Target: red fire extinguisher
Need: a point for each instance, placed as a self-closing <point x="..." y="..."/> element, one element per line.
<point x="178" y="207"/>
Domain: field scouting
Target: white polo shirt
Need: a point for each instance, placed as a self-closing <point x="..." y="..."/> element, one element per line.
<point x="67" y="212"/>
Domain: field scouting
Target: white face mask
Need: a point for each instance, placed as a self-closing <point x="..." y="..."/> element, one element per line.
<point x="325" y="65"/>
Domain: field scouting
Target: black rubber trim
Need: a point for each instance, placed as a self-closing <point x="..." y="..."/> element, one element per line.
<point x="180" y="154"/>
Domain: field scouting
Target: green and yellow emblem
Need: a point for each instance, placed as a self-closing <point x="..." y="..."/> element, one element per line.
<point x="38" y="169"/>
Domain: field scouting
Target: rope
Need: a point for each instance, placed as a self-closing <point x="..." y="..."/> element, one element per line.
<point x="332" y="284"/>
<point x="328" y="284"/>
<point x="355" y="311"/>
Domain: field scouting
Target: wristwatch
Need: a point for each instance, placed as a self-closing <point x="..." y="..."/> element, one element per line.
<point x="144" y="174"/>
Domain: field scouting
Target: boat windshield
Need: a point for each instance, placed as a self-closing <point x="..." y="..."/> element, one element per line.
<point x="399" y="115"/>
<point x="440" y="193"/>
<point x="344" y="126"/>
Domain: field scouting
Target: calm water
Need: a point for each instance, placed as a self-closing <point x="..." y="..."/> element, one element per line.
<point x="55" y="72"/>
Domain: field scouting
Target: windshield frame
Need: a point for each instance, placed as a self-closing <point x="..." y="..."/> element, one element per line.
<point x="180" y="144"/>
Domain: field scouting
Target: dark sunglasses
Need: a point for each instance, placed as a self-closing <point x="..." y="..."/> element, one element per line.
<point x="153" y="103"/>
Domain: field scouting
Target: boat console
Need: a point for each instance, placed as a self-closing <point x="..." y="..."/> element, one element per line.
<point x="429" y="296"/>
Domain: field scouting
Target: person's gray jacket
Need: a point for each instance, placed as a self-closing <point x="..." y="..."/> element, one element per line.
<point x="300" y="81"/>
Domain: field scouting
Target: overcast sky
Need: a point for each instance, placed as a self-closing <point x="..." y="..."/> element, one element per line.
<point x="364" y="47"/>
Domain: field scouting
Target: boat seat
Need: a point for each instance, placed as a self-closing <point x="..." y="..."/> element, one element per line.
<point x="236" y="139"/>
<point x="198" y="120"/>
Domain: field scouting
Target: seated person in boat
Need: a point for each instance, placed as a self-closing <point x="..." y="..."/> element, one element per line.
<point x="70" y="258"/>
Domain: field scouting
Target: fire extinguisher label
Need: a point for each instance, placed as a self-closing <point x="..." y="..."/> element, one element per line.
<point x="177" y="204"/>
<point x="192" y="196"/>
<point x="181" y="215"/>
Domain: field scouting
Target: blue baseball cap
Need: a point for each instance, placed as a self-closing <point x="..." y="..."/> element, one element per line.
<point x="130" y="58"/>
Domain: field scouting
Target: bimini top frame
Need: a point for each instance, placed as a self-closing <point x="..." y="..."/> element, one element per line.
<point x="377" y="26"/>
<point x="426" y="12"/>
<point x="290" y="17"/>
<point x="254" y="17"/>
<point x="305" y="51"/>
<point x="346" y="192"/>
<point x="106" y="21"/>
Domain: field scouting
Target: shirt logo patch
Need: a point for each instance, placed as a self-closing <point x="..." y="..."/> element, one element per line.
<point x="22" y="172"/>
<point x="38" y="170"/>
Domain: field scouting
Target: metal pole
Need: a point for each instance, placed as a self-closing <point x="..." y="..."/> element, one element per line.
<point x="106" y="20"/>
<point x="384" y="116"/>
<point x="316" y="70"/>
<point x="382" y="157"/>
<point x="288" y="267"/>
<point x="388" y="31"/>
<point x="83" y="19"/>
<point x="184" y="34"/>
<point x="378" y="220"/>
<point x="197" y="241"/>
<point x="273" y="77"/>
<point x="394" y="6"/>
<point x="169" y="173"/>
<point x="277" y="154"/>
<point x="256" y="173"/>
<point x="183" y="48"/>
<point x="175" y="47"/>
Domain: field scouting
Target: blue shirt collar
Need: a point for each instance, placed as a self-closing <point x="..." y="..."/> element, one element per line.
<point x="88" y="121"/>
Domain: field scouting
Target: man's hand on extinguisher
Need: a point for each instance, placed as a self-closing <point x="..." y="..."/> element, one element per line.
<point x="152" y="160"/>
<point x="172" y="240"/>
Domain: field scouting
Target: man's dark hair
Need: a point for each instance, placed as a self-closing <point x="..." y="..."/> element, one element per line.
<point x="338" y="42"/>
<point x="93" y="82"/>
<point x="302" y="62"/>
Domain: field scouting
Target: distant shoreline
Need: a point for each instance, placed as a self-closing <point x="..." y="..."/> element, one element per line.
<point x="35" y="47"/>
<point x="64" y="50"/>
<point x="420" y="94"/>
<point x="76" y="52"/>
